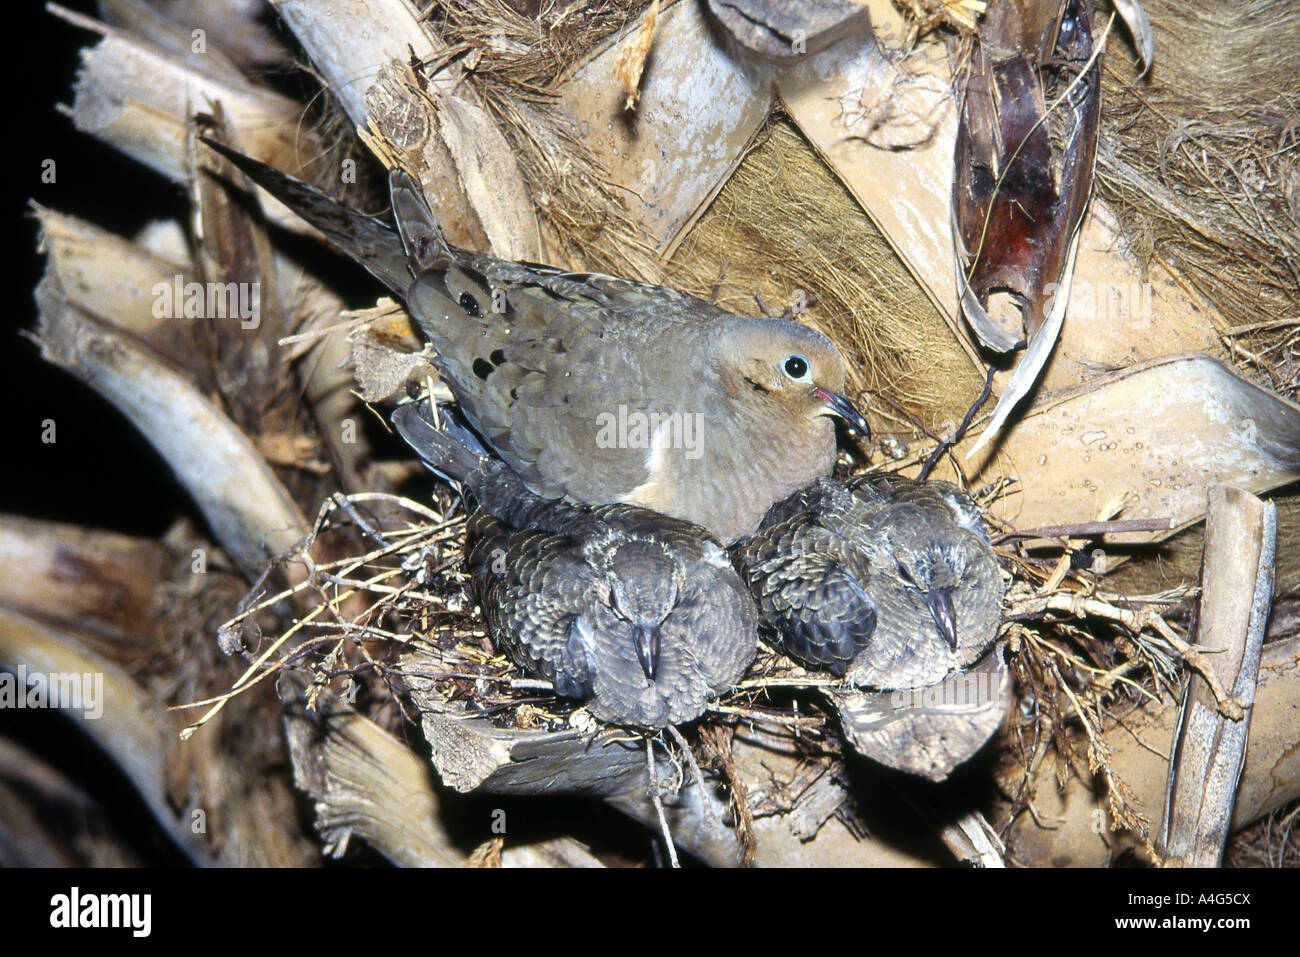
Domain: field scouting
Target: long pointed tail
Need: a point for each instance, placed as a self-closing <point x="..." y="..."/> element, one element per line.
<point x="375" y="246"/>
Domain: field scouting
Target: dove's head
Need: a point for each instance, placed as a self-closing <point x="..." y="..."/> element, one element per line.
<point x="645" y="585"/>
<point x="945" y="578"/>
<point x="940" y="598"/>
<point x="786" y="369"/>
<point x="930" y="572"/>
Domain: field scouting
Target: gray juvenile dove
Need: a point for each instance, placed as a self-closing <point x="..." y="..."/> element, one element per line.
<point x="641" y="614"/>
<point x="888" y="581"/>
<point x="598" y="389"/>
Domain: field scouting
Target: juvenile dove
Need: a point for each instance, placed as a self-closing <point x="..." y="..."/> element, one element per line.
<point x="597" y="389"/>
<point x="886" y="580"/>
<point x="641" y="614"/>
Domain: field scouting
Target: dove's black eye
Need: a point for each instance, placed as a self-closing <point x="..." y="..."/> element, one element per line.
<point x="796" y="367"/>
<point x="470" y="305"/>
<point x="904" y="574"/>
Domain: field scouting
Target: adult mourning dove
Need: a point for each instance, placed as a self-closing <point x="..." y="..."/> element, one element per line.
<point x="641" y="614"/>
<point x="888" y="581"/>
<point x="598" y="389"/>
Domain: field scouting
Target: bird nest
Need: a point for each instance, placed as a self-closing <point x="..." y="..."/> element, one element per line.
<point x="386" y="620"/>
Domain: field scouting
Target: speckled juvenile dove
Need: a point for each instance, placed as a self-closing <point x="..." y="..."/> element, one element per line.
<point x="639" y="613"/>
<point x="886" y="580"/>
<point x="598" y="389"/>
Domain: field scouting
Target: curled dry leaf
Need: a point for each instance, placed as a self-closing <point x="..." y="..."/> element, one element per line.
<point x="1025" y="149"/>
<point x="1135" y="18"/>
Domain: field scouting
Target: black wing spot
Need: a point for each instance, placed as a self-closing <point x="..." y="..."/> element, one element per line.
<point x="470" y="305"/>
<point x="482" y="368"/>
<point x="498" y="356"/>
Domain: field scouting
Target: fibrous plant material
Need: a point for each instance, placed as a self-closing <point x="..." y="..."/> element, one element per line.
<point x="517" y="64"/>
<point x="1201" y="160"/>
<point x="784" y="233"/>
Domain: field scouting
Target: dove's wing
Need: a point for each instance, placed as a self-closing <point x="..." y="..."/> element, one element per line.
<point x="812" y="588"/>
<point x="540" y="603"/>
<point x="719" y="621"/>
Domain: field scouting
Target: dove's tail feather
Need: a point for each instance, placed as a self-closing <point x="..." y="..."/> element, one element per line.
<point x="440" y="448"/>
<point x="374" y="245"/>
<point x="454" y="453"/>
<point x="426" y="247"/>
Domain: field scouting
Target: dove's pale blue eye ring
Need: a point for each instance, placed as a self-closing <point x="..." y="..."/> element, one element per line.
<point x="797" y="368"/>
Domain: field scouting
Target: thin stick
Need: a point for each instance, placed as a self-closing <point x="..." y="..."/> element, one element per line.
<point x="658" y="804"/>
<point x="697" y="776"/>
<point x="1090" y="529"/>
<point x="956" y="437"/>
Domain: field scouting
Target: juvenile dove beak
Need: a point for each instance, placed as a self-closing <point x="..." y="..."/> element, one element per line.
<point x="840" y="406"/>
<point x="646" y="640"/>
<point x="939" y="602"/>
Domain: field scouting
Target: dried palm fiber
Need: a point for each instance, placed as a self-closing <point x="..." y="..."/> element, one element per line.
<point x="925" y="16"/>
<point x="534" y="50"/>
<point x="1201" y="160"/>
<point x="784" y="222"/>
<point x="515" y="62"/>
<point x="1272" y="841"/>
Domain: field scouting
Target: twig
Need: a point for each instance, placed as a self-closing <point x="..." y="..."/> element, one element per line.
<point x="1089" y="529"/>
<point x="719" y="740"/>
<point x="698" y="777"/>
<point x="658" y="803"/>
<point x="344" y="503"/>
<point x="956" y="437"/>
<point x="1080" y="606"/>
